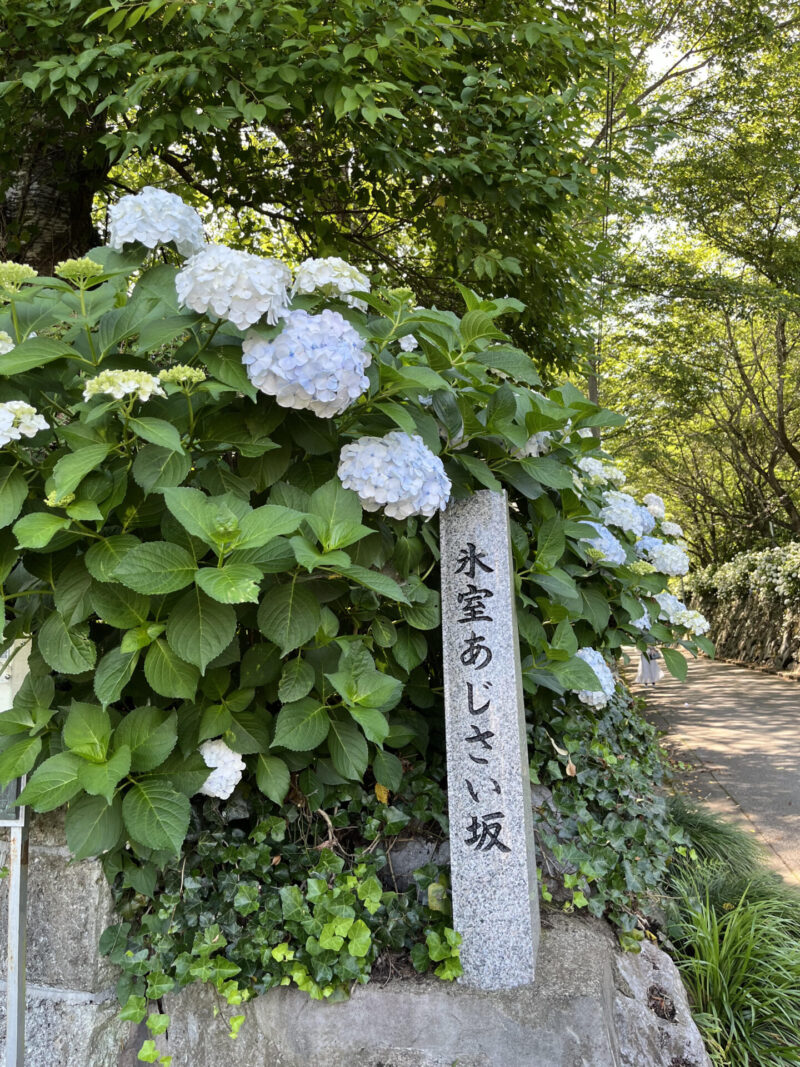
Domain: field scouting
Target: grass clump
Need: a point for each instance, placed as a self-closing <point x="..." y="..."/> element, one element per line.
<point x="735" y="929"/>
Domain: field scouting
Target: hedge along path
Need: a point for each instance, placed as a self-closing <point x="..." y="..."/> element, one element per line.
<point x="739" y="730"/>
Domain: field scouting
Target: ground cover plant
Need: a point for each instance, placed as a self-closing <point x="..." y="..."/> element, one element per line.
<point x="218" y="496"/>
<point x="734" y="927"/>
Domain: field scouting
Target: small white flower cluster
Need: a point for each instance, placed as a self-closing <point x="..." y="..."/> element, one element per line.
<point x="655" y="505"/>
<point x="606" y="545"/>
<point x="596" y="698"/>
<point x="667" y="559"/>
<point x="538" y="444"/>
<point x="154" y="217"/>
<point x="408" y="343"/>
<point x="620" y="509"/>
<point x="316" y="362"/>
<point x="675" y="612"/>
<point x="596" y="472"/>
<point x="227" y="769"/>
<point x="121" y="383"/>
<point x="671" y="529"/>
<point x="6" y="343"/>
<point x="333" y="277"/>
<point x="398" y="473"/>
<point x="234" y="285"/>
<point x="18" y="419"/>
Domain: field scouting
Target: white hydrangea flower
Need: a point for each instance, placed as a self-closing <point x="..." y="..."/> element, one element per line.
<point x="316" y="362"/>
<point x="605" y="543"/>
<point x="670" y="606"/>
<point x="398" y="473"/>
<point x="620" y="509"/>
<point x="332" y="276"/>
<point x="155" y="217"/>
<point x="596" y="698"/>
<point x="596" y="472"/>
<point x="585" y="431"/>
<point x="6" y="343"/>
<point x="667" y="559"/>
<point x="121" y="383"/>
<point x="18" y="419"/>
<point x="227" y="769"/>
<point x="671" y="529"/>
<point x="538" y="444"/>
<point x="234" y="285"/>
<point x="694" y="621"/>
<point x="408" y="343"/>
<point x="655" y="505"/>
<point x="643" y="621"/>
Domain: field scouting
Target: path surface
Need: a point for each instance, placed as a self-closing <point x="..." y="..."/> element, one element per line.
<point x="740" y="730"/>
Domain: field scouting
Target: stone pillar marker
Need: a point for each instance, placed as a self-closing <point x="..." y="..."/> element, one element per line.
<point x="493" y="864"/>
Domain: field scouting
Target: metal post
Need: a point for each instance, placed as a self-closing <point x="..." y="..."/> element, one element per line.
<point x="17" y="914"/>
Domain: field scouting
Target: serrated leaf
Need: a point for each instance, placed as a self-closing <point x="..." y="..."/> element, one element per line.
<point x="13" y="492"/>
<point x="168" y="674"/>
<point x="102" y="779"/>
<point x="93" y="826"/>
<point x="550" y="542"/>
<point x="156" y="816"/>
<point x="157" y="432"/>
<point x="348" y="749"/>
<point x="53" y="783"/>
<point x="233" y="583"/>
<point x="156" y="567"/>
<point x="388" y="770"/>
<point x="199" y="628"/>
<point x="675" y="663"/>
<point x="380" y="583"/>
<point x="118" y="605"/>
<point x="19" y="758"/>
<point x="264" y="524"/>
<point x="35" y="352"/>
<point x="159" y="468"/>
<point x="113" y="673"/>
<point x="301" y="726"/>
<point x="87" y="731"/>
<point x="70" y="470"/>
<point x="67" y="650"/>
<point x="104" y="557"/>
<point x="297" y="680"/>
<point x="289" y="615"/>
<point x="372" y="722"/>
<point x="38" y="530"/>
<point x="150" y="734"/>
<point x="272" y="777"/>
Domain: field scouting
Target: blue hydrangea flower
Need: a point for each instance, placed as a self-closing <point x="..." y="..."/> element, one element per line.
<point x="398" y="473"/>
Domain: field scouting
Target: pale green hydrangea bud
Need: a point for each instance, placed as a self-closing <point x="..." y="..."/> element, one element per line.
<point x="78" y="270"/>
<point x="14" y="275"/>
<point x="121" y="383"/>
<point x="182" y="374"/>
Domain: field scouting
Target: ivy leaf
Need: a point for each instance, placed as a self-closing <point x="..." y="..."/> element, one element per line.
<point x="53" y="783"/>
<point x="301" y="726"/>
<point x="67" y="650"/>
<point x="156" y="567"/>
<point x="156" y="816"/>
<point x="150" y="734"/>
<point x="233" y="583"/>
<point x="93" y="826"/>
<point x="272" y="777"/>
<point x="289" y="615"/>
<point x="199" y="628"/>
<point x="169" y="675"/>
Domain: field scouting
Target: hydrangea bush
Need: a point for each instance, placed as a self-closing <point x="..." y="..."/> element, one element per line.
<point x="219" y="490"/>
<point x="769" y="574"/>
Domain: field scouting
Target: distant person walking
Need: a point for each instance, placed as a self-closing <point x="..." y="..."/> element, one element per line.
<point x="649" y="670"/>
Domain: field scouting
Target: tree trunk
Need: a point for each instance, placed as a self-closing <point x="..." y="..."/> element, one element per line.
<point x="46" y="215"/>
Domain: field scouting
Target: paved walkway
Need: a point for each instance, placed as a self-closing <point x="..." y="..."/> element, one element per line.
<point x="740" y="730"/>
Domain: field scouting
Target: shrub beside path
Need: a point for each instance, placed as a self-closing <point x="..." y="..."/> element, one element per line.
<point x="740" y="731"/>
